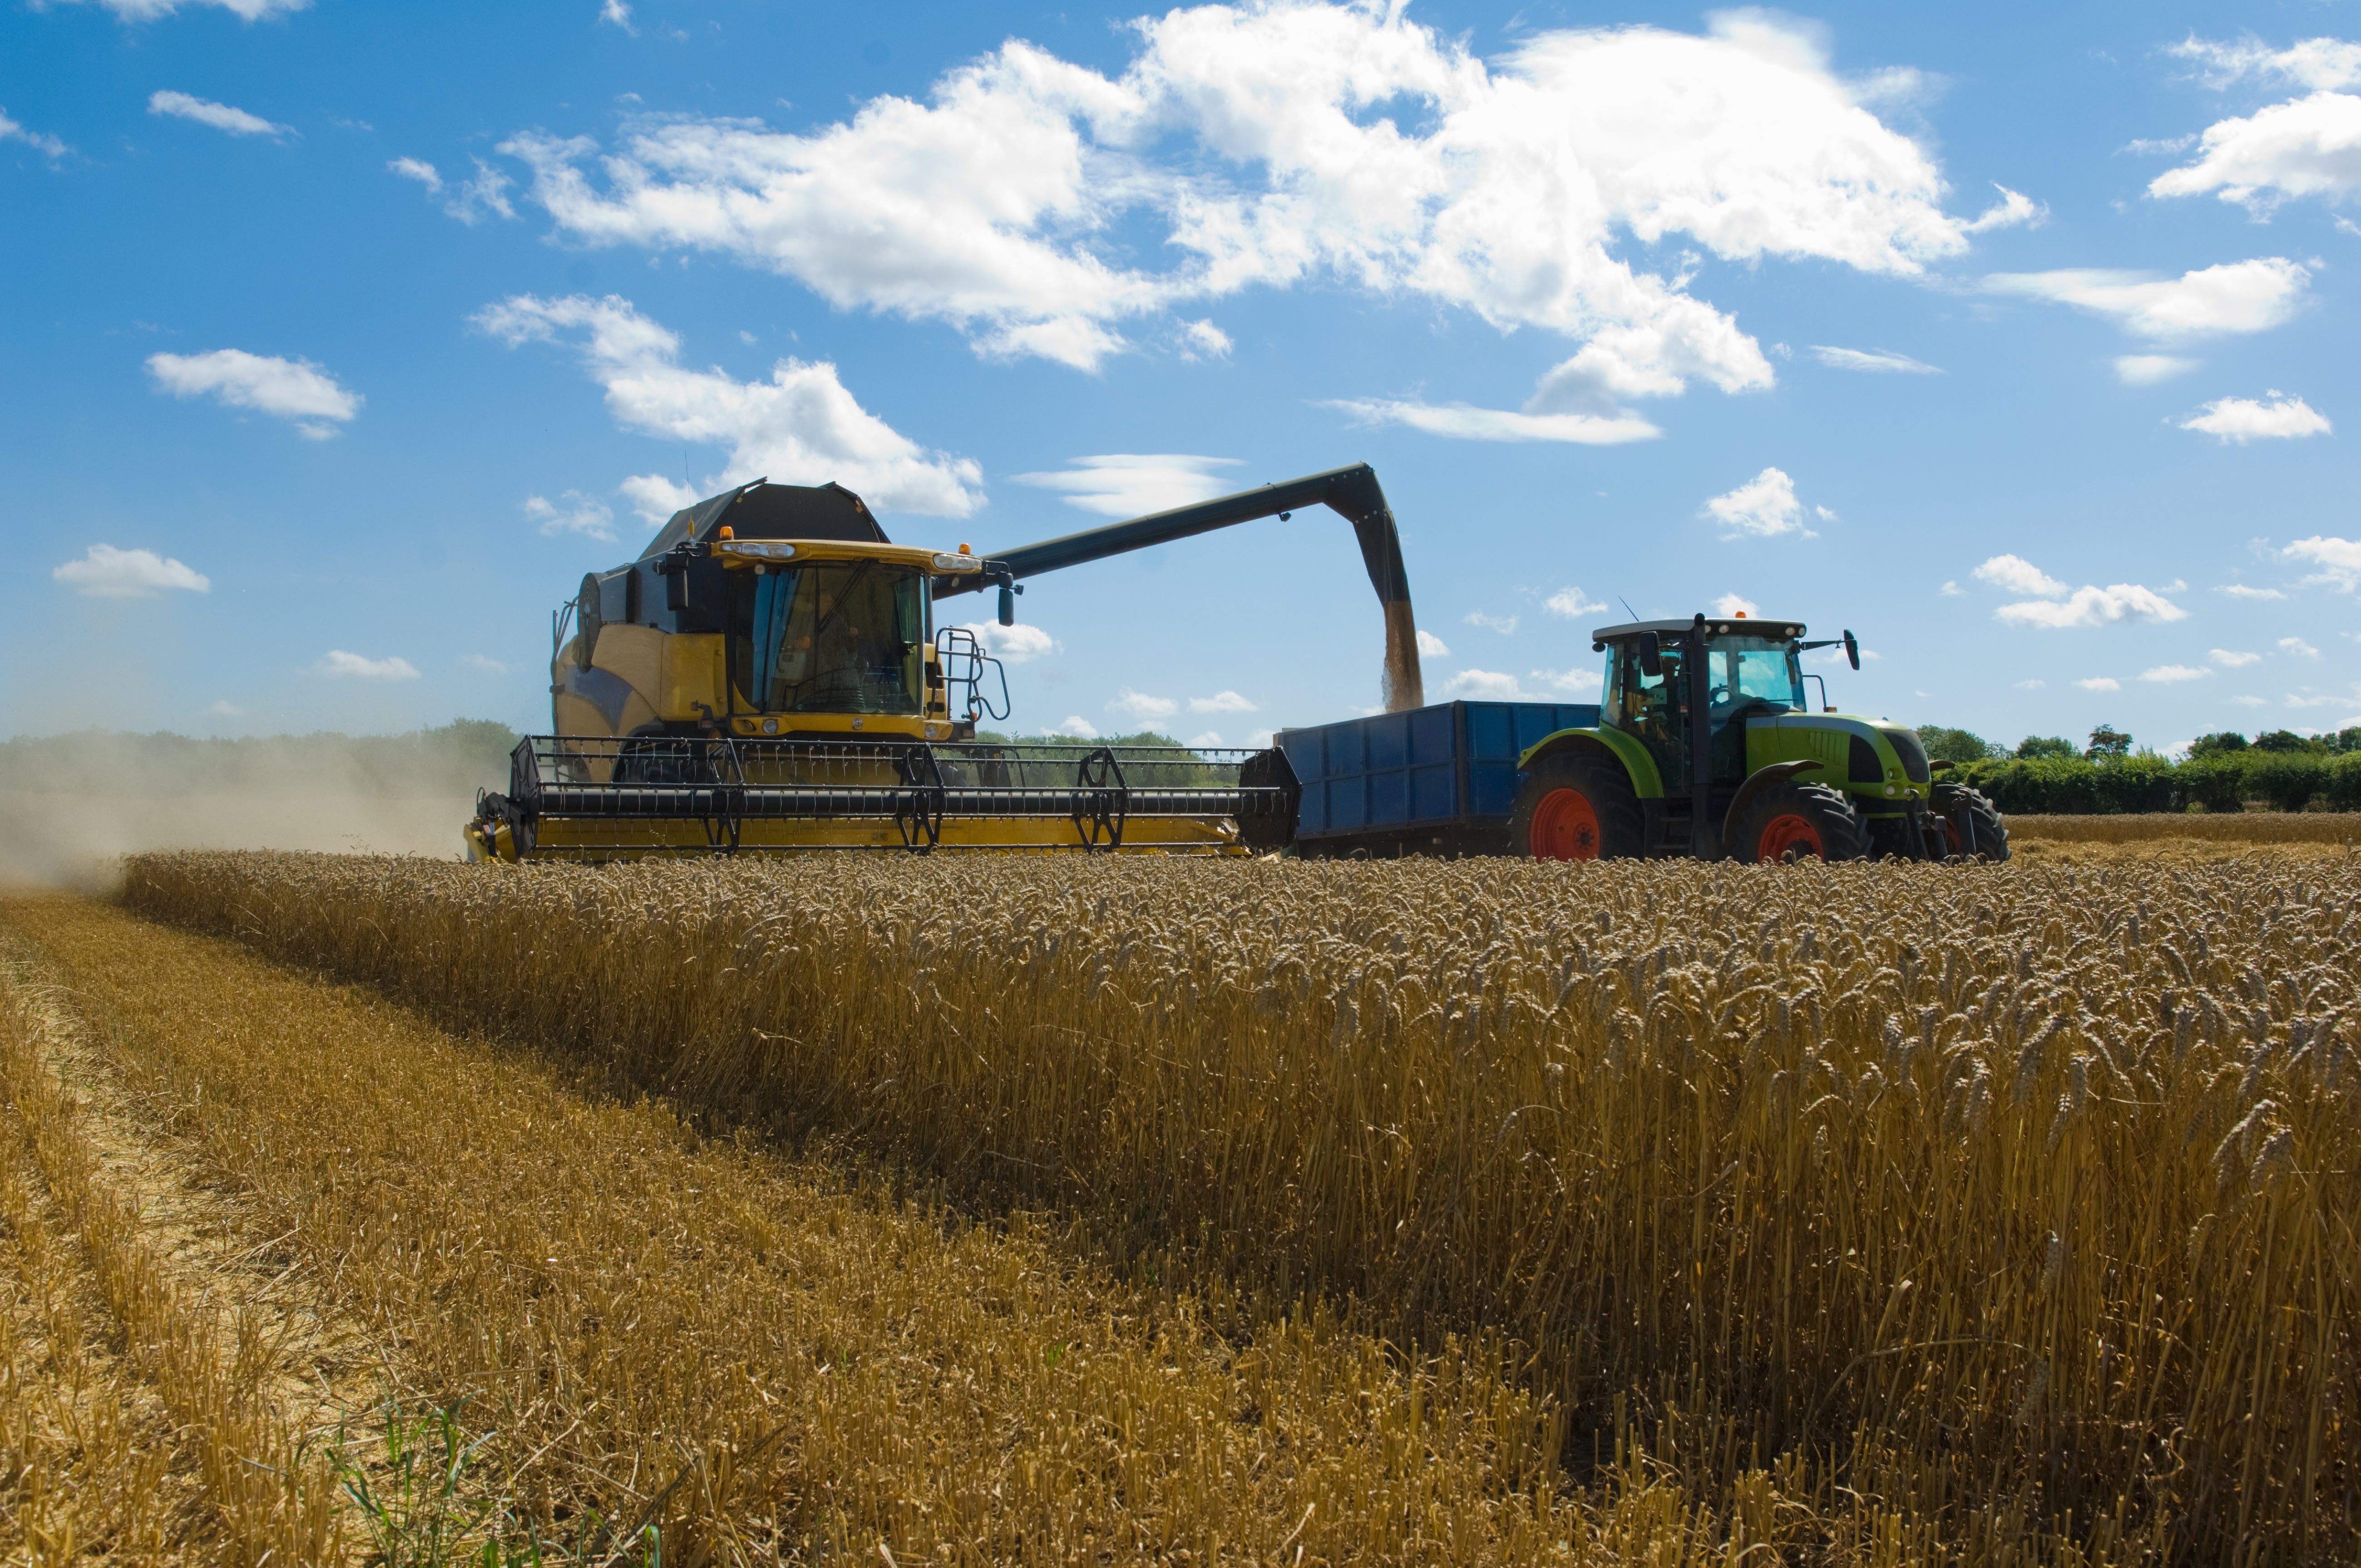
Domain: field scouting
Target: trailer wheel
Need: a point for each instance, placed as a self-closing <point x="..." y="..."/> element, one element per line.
<point x="1972" y="824"/>
<point x="1795" y="821"/>
<point x="1575" y="807"/>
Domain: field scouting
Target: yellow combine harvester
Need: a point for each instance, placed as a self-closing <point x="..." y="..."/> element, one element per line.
<point x="768" y="675"/>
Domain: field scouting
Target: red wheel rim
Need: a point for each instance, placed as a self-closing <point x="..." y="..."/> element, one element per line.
<point x="1565" y="827"/>
<point x="1783" y="835"/>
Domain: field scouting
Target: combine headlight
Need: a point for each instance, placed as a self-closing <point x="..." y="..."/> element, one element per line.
<point x="758" y="549"/>
<point x="957" y="564"/>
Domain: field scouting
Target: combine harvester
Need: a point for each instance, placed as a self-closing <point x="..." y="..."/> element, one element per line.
<point x="768" y="676"/>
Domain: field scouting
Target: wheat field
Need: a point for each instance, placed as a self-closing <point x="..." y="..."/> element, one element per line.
<point x="1998" y="1212"/>
<point x="2325" y="827"/>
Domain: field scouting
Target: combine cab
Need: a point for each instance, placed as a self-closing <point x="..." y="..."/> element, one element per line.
<point x="768" y="675"/>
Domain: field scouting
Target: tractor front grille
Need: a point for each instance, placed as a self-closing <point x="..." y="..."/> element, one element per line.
<point x="1862" y="766"/>
<point x="1913" y="753"/>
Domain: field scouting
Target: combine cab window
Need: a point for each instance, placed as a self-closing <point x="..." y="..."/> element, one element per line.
<point x="829" y="638"/>
<point x="1757" y="670"/>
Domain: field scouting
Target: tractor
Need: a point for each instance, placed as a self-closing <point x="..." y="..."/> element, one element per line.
<point x="1705" y="747"/>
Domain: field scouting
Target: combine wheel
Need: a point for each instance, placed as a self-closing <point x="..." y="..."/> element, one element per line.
<point x="1795" y="821"/>
<point x="1972" y="825"/>
<point x="1577" y="806"/>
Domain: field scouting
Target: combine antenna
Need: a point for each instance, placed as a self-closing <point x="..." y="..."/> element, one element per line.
<point x="1627" y="607"/>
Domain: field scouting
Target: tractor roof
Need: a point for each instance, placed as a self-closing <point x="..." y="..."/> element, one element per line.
<point x="765" y="510"/>
<point x="1718" y="626"/>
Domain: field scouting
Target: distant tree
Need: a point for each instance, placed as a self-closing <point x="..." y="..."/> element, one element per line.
<point x="2046" y="746"/>
<point x="2226" y="741"/>
<point x="2108" y="744"/>
<point x="1955" y="745"/>
<point x="2349" y="738"/>
<point x="2286" y="740"/>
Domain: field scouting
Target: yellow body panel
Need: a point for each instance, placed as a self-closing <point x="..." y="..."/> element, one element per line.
<point x="691" y="674"/>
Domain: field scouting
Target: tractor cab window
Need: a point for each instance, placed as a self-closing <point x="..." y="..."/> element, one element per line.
<point x="1757" y="670"/>
<point x="1649" y="706"/>
<point x="830" y="637"/>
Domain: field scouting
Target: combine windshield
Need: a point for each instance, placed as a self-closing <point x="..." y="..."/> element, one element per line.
<point x="1754" y="670"/>
<point x="831" y="637"/>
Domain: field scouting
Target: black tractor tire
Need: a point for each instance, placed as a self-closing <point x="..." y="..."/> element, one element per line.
<point x="1968" y="817"/>
<point x="1578" y="806"/>
<point x="1790" y="821"/>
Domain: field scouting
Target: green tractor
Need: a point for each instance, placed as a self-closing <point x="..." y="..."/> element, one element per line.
<point x="1705" y="747"/>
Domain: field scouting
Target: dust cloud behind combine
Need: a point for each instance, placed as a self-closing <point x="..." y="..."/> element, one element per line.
<point x="71" y="804"/>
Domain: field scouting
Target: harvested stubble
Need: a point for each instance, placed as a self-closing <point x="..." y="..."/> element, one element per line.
<point x="2327" y="828"/>
<point x="769" y="1363"/>
<point x="2015" y="1199"/>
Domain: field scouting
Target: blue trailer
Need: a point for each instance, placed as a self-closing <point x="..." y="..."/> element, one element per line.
<point x="1434" y="780"/>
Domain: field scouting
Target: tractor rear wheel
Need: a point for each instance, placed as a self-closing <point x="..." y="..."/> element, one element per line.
<point x="1577" y="806"/>
<point x="1972" y="824"/>
<point x="1794" y="821"/>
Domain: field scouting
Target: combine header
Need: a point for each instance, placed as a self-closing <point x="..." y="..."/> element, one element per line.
<point x="767" y="677"/>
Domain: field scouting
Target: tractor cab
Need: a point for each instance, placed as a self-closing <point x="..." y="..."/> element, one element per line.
<point x="1707" y="745"/>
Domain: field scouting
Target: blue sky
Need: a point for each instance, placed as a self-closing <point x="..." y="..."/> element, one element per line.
<point x="342" y="340"/>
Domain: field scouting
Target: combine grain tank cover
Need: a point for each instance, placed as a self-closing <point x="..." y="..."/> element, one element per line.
<point x="765" y="510"/>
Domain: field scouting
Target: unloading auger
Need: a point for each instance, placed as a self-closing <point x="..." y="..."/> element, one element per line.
<point x="768" y="676"/>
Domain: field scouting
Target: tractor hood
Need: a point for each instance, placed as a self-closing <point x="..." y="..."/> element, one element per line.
<point x="1857" y="753"/>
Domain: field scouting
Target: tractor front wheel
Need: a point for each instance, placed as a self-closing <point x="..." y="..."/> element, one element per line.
<point x="1795" y="821"/>
<point x="1972" y="824"/>
<point x="1575" y="807"/>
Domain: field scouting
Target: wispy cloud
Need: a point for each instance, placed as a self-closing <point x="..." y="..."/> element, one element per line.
<point x="293" y="390"/>
<point x="1872" y="359"/>
<point x="337" y="664"/>
<point x="40" y="141"/>
<point x="1465" y="421"/>
<point x="1130" y="484"/>
<point x="573" y="512"/>
<point x="220" y="116"/>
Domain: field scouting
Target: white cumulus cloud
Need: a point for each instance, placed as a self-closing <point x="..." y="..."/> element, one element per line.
<point x="1764" y="508"/>
<point x="1127" y="483"/>
<point x="1572" y="603"/>
<point x="2090" y="605"/>
<point x="2173" y="675"/>
<point x="2018" y="576"/>
<point x="1731" y="605"/>
<point x="1430" y="646"/>
<point x="2234" y="659"/>
<point x="421" y="171"/>
<point x="1221" y="702"/>
<point x="220" y="116"/>
<point x="2243" y="419"/>
<point x="293" y="390"/>
<point x="573" y="512"/>
<point x="339" y="664"/>
<point x="1285" y="144"/>
<point x="2234" y="297"/>
<point x="1013" y="644"/>
<point x="1075" y="724"/>
<point x="485" y="196"/>
<point x="1203" y="340"/>
<point x="1577" y="681"/>
<point x="2338" y="560"/>
<point x="1484" y="685"/>
<point x="2308" y="147"/>
<point x="2297" y="648"/>
<point x="482" y="665"/>
<point x="105" y="572"/>
<point x="1142" y="707"/>
<point x="1874" y="359"/>
<point x="799" y="427"/>
<point x="2100" y="684"/>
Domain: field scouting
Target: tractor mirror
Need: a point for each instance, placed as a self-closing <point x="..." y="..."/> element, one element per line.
<point x="1007" y="605"/>
<point x="1852" y="650"/>
<point x="1652" y="656"/>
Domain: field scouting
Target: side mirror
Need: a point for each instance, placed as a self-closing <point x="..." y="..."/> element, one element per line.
<point x="1007" y="605"/>
<point x="1652" y="656"/>
<point x="1852" y="650"/>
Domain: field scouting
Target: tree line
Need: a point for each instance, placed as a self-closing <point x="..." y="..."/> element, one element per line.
<point x="2277" y="769"/>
